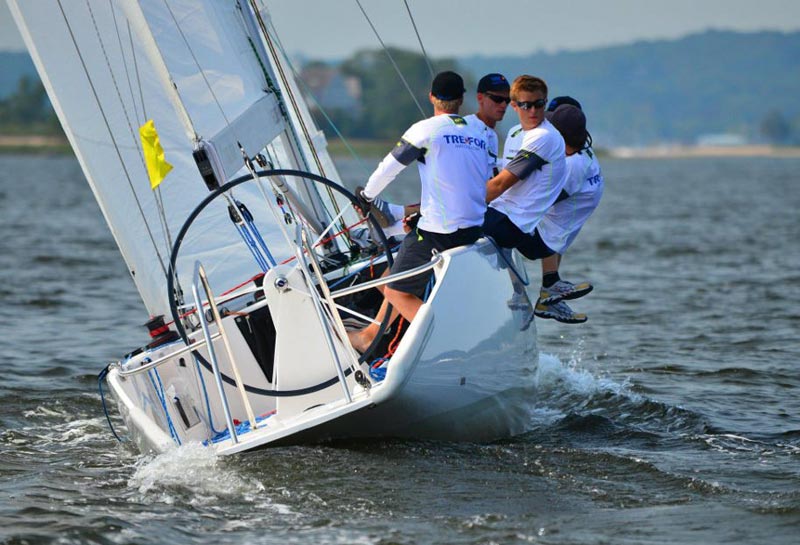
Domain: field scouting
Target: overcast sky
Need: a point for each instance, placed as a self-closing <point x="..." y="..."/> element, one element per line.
<point x="334" y="29"/>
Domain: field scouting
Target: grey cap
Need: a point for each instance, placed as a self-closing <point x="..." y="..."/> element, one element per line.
<point x="571" y="123"/>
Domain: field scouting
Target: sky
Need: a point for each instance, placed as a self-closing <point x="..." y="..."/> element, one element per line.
<point x="334" y="29"/>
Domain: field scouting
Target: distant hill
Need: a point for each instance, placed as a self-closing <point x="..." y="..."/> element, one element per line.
<point x="14" y="65"/>
<point x="644" y="93"/>
<point x="676" y="91"/>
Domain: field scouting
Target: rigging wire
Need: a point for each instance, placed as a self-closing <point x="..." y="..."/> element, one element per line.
<point x="196" y="62"/>
<point x="111" y="135"/>
<point x="391" y="59"/>
<point x="419" y="39"/>
<point x="162" y="215"/>
<point x="270" y="40"/>
<point x="124" y="59"/>
<point x="319" y="106"/>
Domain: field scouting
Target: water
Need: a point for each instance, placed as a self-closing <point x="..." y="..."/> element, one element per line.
<point x="672" y="416"/>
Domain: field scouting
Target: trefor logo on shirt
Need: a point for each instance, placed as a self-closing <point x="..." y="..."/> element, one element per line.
<point x="464" y="141"/>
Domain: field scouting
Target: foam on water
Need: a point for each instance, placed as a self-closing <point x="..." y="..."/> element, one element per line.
<point x="553" y="374"/>
<point x="192" y="468"/>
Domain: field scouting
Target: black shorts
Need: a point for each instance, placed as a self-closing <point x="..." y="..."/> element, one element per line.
<point x="507" y="235"/>
<point x="417" y="249"/>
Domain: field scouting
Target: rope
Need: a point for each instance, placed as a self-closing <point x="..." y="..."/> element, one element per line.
<point x="163" y="398"/>
<point x="100" y="378"/>
<point x="391" y="59"/>
<point x="205" y="393"/>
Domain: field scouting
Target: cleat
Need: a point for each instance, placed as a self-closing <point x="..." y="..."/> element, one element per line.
<point x="559" y="312"/>
<point x="563" y="290"/>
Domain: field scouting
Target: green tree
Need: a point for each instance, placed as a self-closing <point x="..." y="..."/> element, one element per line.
<point x="387" y="109"/>
<point x="28" y="109"/>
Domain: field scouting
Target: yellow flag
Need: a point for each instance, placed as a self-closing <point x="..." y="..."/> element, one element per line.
<point x="157" y="166"/>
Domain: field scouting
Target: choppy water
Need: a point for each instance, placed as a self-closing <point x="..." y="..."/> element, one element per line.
<point x="672" y="416"/>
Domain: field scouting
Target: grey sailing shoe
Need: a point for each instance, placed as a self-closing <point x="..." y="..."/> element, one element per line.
<point x="563" y="290"/>
<point x="560" y="312"/>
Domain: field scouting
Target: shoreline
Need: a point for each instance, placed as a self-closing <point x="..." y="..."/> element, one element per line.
<point x="685" y="152"/>
<point x="39" y="144"/>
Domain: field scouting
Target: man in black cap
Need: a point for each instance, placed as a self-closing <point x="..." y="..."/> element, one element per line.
<point x="493" y="99"/>
<point x="453" y="160"/>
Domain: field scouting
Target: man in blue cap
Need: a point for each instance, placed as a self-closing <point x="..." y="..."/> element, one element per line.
<point x="493" y="100"/>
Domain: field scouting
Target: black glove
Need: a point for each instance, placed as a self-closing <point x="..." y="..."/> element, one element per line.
<point x="364" y="205"/>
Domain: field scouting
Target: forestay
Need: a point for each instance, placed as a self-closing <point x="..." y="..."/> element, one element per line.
<point x="209" y="78"/>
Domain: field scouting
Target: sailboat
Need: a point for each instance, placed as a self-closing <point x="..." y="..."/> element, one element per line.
<point x="231" y="217"/>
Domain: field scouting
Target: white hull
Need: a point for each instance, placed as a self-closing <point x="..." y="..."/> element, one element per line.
<point x="461" y="372"/>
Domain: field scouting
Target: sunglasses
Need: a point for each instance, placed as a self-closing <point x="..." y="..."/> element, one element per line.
<point x="497" y="99"/>
<point x="527" y="105"/>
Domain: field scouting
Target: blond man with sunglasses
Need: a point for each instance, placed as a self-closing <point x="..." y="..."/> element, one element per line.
<point x="531" y="182"/>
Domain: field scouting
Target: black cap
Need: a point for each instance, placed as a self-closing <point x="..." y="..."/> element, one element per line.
<point x="447" y="86"/>
<point x="558" y="101"/>
<point x="571" y="123"/>
<point x="493" y="82"/>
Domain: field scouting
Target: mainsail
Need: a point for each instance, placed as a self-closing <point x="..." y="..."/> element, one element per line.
<point x="209" y="76"/>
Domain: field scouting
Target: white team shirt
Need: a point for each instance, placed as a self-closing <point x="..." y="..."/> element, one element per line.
<point x="453" y="161"/>
<point x="562" y="223"/>
<point x="512" y="144"/>
<point x="492" y="143"/>
<point x="527" y="200"/>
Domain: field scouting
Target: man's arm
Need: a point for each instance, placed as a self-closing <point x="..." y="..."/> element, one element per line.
<point x="403" y="154"/>
<point x="497" y="185"/>
<point x="520" y="167"/>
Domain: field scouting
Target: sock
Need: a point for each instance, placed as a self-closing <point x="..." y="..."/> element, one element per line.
<point x="550" y="278"/>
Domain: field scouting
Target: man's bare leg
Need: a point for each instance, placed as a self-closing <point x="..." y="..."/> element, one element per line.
<point x="406" y="304"/>
<point x="551" y="263"/>
<point x="362" y="338"/>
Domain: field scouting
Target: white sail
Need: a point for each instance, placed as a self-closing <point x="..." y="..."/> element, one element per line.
<point x="201" y="71"/>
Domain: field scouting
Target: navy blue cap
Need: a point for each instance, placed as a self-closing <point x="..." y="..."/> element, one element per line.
<point x="493" y="82"/>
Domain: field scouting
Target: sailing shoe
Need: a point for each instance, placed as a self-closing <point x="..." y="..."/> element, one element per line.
<point x="519" y="301"/>
<point x="560" y="312"/>
<point x="527" y="320"/>
<point x="562" y="290"/>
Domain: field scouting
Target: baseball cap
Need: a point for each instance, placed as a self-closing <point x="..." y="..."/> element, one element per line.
<point x="558" y="101"/>
<point x="493" y="82"/>
<point x="571" y="123"/>
<point x="447" y="86"/>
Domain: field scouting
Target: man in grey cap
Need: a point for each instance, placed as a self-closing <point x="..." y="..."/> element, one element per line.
<point x="563" y="221"/>
<point x="452" y="157"/>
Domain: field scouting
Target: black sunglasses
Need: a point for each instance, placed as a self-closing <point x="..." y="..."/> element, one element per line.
<point x="497" y="99"/>
<point x="527" y="105"/>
